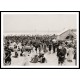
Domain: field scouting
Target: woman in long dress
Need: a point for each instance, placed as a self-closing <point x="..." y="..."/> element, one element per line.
<point x="44" y="47"/>
<point x="25" y="61"/>
<point x="40" y="46"/>
<point x="70" y="53"/>
<point x="50" y="46"/>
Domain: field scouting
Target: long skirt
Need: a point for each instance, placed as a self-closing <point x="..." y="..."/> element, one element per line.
<point x="70" y="57"/>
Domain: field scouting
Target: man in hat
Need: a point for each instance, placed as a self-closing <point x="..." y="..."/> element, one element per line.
<point x="61" y="51"/>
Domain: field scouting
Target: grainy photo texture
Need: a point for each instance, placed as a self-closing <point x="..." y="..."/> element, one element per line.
<point x="39" y="39"/>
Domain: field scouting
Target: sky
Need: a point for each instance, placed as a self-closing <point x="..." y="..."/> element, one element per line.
<point x="38" y="23"/>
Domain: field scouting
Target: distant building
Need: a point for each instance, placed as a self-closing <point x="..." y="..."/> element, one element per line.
<point x="67" y="35"/>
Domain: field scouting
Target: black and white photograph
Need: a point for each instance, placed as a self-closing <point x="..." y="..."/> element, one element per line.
<point x="40" y="39"/>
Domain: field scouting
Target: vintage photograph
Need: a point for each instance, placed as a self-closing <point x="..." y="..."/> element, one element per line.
<point x="40" y="40"/>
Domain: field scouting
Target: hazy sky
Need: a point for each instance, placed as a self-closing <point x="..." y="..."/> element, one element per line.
<point x="38" y="23"/>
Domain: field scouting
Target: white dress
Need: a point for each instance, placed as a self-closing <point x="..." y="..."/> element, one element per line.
<point x="71" y="54"/>
<point x="25" y="61"/>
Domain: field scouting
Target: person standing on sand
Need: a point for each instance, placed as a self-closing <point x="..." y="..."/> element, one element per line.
<point x="70" y="53"/>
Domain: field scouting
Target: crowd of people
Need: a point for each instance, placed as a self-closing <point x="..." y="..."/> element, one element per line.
<point x="42" y="45"/>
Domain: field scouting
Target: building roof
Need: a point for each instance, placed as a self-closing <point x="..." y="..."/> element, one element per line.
<point x="63" y="35"/>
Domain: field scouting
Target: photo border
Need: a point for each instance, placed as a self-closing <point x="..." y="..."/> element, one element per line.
<point x="40" y="67"/>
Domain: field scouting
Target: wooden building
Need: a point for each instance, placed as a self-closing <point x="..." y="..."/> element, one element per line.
<point x="67" y="35"/>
